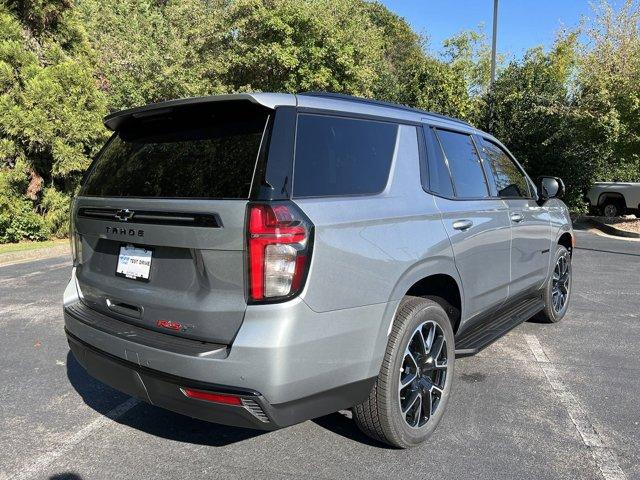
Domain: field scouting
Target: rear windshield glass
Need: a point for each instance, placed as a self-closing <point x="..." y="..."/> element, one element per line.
<point x="194" y="153"/>
<point x="342" y="156"/>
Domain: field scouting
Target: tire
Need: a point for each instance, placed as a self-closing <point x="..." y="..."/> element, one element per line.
<point x="551" y="312"/>
<point x="380" y="416"/>
<point x="612" y="209"/>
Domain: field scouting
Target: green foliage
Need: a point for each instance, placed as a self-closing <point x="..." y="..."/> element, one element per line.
<point x="55" y="207"/>
<point x="609" y="89"/>
<point x="149" y="51"/>
<point x="18" y="219"/>
<point x="51" y="112"/>
<point x="469" y="55"/>
<point x="533" y="116"/>
<point x="436" y="87"/>
<point x="573" y="111"/>
<point x="289" y="45"/>
<point x="402" y="53"/>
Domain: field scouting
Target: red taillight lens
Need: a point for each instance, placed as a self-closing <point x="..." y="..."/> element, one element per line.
<point x="278" y="238"/>
<point x="212" y="397"/>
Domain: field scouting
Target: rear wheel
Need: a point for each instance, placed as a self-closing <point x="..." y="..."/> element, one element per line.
<point x="612" y="208"/>
<point x="557" y="288"/>
<point x="412" y="390"/>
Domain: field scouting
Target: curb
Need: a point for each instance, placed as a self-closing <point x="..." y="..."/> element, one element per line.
<point x="609" y="229"/>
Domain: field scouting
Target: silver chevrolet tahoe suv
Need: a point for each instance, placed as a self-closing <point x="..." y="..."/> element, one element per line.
<point x="262" y="259"/>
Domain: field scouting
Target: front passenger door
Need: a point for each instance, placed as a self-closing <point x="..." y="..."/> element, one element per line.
<point x="530" y="223"/>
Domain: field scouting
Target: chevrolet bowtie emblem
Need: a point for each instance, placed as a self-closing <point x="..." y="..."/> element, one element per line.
<point x="124" y="215"/>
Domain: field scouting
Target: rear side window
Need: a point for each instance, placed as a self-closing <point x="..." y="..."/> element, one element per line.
<point x="464" y="163"/>
<point x="190" y="154"/>
<point x="439" y="178"/>
<point x="342" y="156"/>
<point x="509" y="180"/>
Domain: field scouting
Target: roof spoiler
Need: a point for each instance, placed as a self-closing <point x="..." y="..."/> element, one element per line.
<point x="116" y="120"/>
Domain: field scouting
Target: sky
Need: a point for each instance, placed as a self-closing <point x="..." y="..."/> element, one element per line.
<point x="522" y="24"/>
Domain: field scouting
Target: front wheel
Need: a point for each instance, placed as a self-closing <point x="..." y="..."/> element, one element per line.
<point x="557" y="288"/>
<point x="412" y="390"/>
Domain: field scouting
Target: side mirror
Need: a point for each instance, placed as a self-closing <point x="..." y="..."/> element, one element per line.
<point x="549" y="187"/>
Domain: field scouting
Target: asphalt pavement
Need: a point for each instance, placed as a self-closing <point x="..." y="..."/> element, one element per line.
<point x="545" y="402"/>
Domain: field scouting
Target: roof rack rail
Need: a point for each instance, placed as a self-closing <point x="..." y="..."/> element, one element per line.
<point x="352" y="98"/>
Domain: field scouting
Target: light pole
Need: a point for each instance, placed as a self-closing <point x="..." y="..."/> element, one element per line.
<point x="493" y="43"/>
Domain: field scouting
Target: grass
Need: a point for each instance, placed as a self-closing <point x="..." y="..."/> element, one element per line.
<point x="24" y="246"/>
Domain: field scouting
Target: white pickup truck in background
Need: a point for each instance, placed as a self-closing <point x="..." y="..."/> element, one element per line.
<point x="613" y="199"/>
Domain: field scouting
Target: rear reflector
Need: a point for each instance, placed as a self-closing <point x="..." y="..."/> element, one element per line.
<point x="212" y="397"/>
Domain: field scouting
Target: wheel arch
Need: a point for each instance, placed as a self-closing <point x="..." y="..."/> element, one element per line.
<point x="604" y="196"/>
<point x="444" y="290"/>
<point x="435" y="277"/>
<point x="567" y="241"/>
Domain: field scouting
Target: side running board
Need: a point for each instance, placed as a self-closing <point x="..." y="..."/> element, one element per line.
<point x="489" y="330"/>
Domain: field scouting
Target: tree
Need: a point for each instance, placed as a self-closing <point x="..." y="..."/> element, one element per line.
<point x="50" y="113"/>
<point x="150" y="51"/>
<point x="292" y="46"/>
<point x="402" y="55"/>
<point x="535" y="117"/>
<point x="609" y="89"/>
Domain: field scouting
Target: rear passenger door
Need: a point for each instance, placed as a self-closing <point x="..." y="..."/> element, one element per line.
<point x="530" y="223"/>
<point x="477" y="224"/>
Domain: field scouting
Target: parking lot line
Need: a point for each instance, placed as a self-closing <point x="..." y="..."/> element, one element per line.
<point x="42" y="462"/>
<point x="600" y="449"/>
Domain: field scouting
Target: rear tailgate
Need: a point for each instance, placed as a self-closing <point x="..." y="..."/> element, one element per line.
<point x="176" y="188"/>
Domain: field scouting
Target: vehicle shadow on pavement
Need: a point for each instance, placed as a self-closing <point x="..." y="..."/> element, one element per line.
<point x="65" y="476"/>
<point x="342" y="424"/>
<point x="149" y="419"/>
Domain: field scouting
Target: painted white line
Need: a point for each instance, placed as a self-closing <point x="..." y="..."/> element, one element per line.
<point x="16" y="307"/>
<point x="601" y="450"/>
<point x="43" y="462"/>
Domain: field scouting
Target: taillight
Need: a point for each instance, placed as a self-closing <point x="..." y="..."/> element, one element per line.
<point x="279" y="248"/>
<point x="74" y="239"/>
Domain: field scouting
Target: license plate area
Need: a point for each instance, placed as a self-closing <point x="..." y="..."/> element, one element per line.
<point x="134" y="262"/>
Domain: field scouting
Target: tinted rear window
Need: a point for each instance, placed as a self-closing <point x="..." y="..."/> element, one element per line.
<point x="342" y="156"/>
<point x="439" y="178"/>
<point x="464" y="162"/>
<point x="189" y="154"/>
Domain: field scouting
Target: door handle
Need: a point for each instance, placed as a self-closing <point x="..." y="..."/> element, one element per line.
<point x="462" y="225"/>
<point x="125" y="309"/>
<point x="516" y="217"/>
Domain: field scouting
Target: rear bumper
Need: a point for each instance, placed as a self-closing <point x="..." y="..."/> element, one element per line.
<point x="164" y="391"/>
<point x="292" y="363"/>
